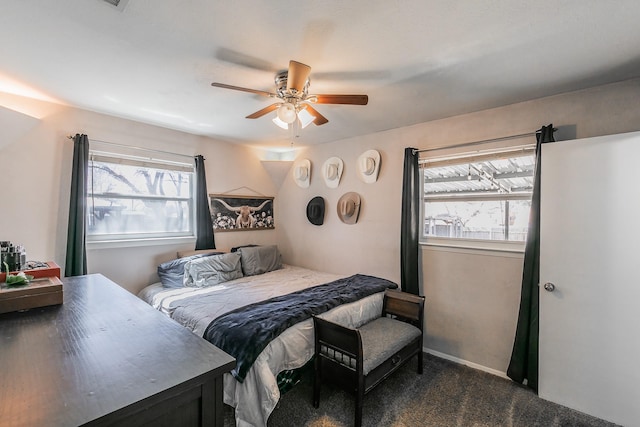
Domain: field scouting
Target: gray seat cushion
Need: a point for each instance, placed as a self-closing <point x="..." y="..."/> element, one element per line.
<point x="383" y="337"/>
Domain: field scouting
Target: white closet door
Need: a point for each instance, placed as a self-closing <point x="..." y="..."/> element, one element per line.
<point x="590" y="237"/>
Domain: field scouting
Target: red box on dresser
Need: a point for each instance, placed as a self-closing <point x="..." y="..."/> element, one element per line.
<point x="44" y="289"/>
<point x="52" y="270"/>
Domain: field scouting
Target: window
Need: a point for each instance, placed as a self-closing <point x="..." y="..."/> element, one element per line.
<point x="131" y="197"/>
<point x="485" y="197"/>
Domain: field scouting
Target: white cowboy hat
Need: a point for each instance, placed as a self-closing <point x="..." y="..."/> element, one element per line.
<point x="332" y="171"/>
<point x="302" y="173"/>
<point x="349" y="208"/>
<point x="369" y="166"/>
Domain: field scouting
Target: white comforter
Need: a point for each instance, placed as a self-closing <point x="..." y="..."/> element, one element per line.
<point x="255" y="398"/>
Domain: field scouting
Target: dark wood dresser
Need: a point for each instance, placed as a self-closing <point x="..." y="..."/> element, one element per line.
<point x="105" y="357"/>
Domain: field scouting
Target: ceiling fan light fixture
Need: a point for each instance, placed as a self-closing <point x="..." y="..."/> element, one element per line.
<point x="280" y="123"/>
<point x="305" y="117"/>
<point x="293" y="104"/>
<point x="287" y="112"/>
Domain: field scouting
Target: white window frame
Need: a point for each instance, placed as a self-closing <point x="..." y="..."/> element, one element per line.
<point x="505" y="246"/>
<point x="116" y="154"/>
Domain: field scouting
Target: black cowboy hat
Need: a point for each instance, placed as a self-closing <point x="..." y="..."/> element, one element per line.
<point x="315" y="210"/>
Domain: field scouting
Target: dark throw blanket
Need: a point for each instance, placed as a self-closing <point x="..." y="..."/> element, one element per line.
<point x="246" y="331"/>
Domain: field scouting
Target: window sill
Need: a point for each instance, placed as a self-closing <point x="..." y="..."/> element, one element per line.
<point x="495" y="248"/>
<point x="130" y="243"/>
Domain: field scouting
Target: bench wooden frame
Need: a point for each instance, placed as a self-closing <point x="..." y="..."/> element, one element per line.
<point x="339" y="350"/>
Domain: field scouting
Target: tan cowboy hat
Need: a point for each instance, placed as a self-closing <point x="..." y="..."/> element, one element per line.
<point x="369" y="166"/>
<point x="302" y="173"/>
<point x="332" y="171"/>
<point x="349" y="208"/>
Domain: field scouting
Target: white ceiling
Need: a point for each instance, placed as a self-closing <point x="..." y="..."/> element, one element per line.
<point x="418" y="60"/>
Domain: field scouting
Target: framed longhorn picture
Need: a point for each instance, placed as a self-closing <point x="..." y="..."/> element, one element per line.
<point x="238" y="213"/>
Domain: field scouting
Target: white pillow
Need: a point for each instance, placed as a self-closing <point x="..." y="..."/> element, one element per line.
<point x="211" y="270"/>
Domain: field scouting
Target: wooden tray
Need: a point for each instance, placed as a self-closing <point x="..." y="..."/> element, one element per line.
<point x="40" y="292"/>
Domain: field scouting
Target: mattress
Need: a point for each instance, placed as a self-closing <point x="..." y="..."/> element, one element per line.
<point x="255" y="398"/>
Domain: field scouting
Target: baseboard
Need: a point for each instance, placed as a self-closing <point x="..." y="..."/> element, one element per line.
<point x="466" y="363"/>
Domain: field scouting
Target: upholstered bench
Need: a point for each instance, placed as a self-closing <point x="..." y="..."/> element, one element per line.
<point x="361" y="358"/>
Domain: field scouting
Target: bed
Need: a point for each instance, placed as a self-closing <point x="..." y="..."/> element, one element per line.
<point x="214" y="295"/>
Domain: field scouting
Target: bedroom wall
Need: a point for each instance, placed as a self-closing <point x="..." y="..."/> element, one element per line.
<point x="35" y="160"/>
<point x="472" y="295"/>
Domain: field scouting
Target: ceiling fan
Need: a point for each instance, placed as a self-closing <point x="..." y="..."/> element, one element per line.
<point x="294" y="100"/>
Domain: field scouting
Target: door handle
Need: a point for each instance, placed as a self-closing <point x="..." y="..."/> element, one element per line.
<point x="549" y="287"/>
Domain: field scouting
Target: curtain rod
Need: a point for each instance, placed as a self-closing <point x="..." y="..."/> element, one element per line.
<point x="484" y="141"/>
<point x="136" y="148"/>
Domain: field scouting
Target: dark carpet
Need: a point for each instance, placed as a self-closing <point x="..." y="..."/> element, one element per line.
<point x="446" y="394"/>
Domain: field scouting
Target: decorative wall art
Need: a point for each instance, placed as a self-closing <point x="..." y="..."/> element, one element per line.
<point x="241" y="213"/>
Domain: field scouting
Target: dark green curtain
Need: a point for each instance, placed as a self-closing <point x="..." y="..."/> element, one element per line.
<point x="76" y="262"/>
<point x="524" y="356"/>
<point x="410" y="223"/>
<point x="204" y="225"/>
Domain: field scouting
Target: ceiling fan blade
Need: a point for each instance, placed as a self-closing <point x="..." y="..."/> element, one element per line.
<point x="264" y="111"/>
<point x="297" y="75"/>
<point x="342" y="99"/>
<point x="319" y="118"/>
<point x="244" y="89"/>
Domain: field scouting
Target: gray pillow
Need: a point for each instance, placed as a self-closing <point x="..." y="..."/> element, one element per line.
<point x="211" y="270"/>
<point x="171" y="273"/>
<point x="260" y="259"/>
